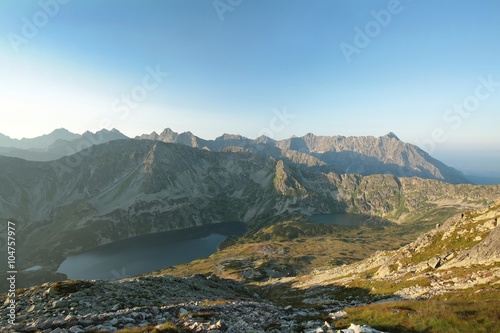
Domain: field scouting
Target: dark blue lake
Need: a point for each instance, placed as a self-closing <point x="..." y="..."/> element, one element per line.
<point x="147" y="253"/>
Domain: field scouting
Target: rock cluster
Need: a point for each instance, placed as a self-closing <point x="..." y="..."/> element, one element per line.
<point x="197" y="304"/>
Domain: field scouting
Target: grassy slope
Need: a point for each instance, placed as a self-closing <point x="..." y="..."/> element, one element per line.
<point x="461" y="311"/>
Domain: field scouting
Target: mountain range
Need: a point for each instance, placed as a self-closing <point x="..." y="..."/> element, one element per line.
<point x="55" y="145"/>
<point x="361" y="155"/>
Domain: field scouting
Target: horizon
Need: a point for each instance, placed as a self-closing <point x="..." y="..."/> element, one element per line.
<point x="256" y="68"/>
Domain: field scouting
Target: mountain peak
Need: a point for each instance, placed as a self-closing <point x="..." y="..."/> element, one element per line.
<point x="227" y="136"/>
<point x="60" y="131"/>
<point x="391" y="135"/>
<point x="168" y="130"/>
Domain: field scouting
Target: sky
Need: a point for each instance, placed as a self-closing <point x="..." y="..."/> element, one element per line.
<point x="428" y="71"/>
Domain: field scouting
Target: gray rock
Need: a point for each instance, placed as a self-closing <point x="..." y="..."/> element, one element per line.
<point x="60" y="304"/>
<point x="76" y="329"/>
<point x="113" y="321"/>
<point x="338" y="315"/>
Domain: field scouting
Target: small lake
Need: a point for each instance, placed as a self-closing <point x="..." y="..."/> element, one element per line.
<point x="342" y="219"/>
<point x="143" y="254"/>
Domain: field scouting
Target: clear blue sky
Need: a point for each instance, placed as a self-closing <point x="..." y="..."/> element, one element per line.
<point x="263" y="57"/>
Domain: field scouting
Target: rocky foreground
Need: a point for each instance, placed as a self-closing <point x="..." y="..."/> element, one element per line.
<point x="195" y="304"/>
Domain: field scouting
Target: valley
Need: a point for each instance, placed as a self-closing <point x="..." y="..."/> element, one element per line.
<point x="268" y="229"/>
<point x="127" y="188"/>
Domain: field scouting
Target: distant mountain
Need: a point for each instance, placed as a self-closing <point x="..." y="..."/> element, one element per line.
<point x="125" y="188"/>
<point x="43" y="141"/>
<point x="58" y="144"/>
<point x="365" y="155"/>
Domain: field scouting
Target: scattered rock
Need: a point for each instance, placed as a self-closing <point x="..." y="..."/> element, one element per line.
<point x="434" y="262"/>
<point x="337" y="315"/>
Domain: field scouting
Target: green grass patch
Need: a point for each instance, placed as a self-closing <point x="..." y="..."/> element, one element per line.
<point x="453" y="314"/>
<point x="387" y="287"/>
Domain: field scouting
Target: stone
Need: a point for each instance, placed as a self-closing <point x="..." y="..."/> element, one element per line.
<point x="76" y="329"/>
<point x="50" y="292"/>
<point x="85" y="321"/>
<point x="301" y="313"/>
<point x="32" y="308"/>
<point x="434" y="262"/>
<point x="315" y="330"/>
<point x="338" y="315"/>
<point x="57" y="330"/>
<point x="60" y="304"/>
